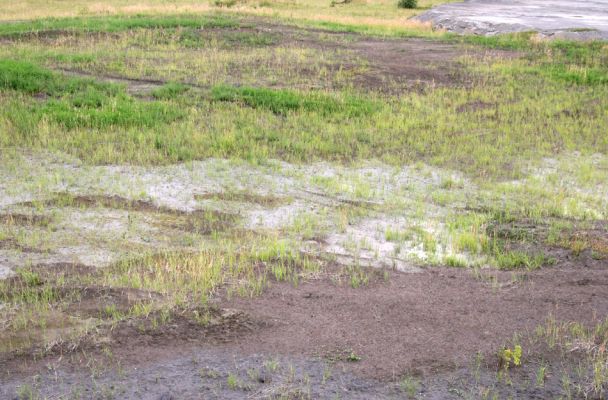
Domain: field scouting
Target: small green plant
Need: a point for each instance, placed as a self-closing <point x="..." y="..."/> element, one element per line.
<point x="456" y="262"/>
<point x="357" y="276"/>
<point x="27" y="392"/>
<point x="271" y="365"/>
<point x="232" y="381"/>
<point x="352" y="357"/>
<point x="410" y="386"/>
<point x="511" y="357"/>
<point x="29" y="277"/>
<point x="407" y="4"/>
<point x="541" y="376"/>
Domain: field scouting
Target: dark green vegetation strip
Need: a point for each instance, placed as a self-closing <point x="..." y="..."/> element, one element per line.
<point x="76" y="102"/>
<point x="281" y="101"/>
<point x="116" y="24"/>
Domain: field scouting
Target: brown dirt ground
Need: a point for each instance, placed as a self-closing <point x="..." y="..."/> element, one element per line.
<point x="425" y="322"/>
<point x="417" y="323"/>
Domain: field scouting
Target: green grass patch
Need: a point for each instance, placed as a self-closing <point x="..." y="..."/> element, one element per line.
<point x="31" y="79"/>
<point x="117" y="23"/>
<point x="518" y="259"/>
<point x="283" y="101"/>
<point x="170" y="91"/>
<point x="573" y="62"/>
<point x="76" y="102"/>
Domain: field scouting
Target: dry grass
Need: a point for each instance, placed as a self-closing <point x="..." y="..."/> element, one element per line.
<point x="382" y="14"/>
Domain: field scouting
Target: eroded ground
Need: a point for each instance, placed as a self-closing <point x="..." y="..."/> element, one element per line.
<point x="224" y="207"/>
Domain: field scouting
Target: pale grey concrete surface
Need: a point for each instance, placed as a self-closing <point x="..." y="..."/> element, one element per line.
<point x="572" y="19"/>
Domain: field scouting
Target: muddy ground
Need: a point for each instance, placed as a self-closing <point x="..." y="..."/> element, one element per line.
<point x="326" y="339"/>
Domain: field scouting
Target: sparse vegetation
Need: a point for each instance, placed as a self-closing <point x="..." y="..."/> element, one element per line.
<point x="157" y="160"/>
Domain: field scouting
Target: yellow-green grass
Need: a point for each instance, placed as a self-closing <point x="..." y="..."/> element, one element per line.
<point x="515" y="110"/>
<point x="376" y="15"/>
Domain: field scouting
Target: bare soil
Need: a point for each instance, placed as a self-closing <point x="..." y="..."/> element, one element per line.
<point x="426" y="324"/>
<point x="421" y="323"/>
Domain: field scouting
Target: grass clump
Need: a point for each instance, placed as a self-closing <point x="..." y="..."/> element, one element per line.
<point x="283" y="101"/>
<point x="95" y="111"/>
<point x="76" y="102"/>
<point x="31" y="79"/>
<point x="170" y="91"/>
<point x="510" y="260"/>
<point x="407" y="4"/>
<point x="455" y="262"/>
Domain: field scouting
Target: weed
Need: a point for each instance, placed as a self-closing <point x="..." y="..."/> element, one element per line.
<point x="27" y="392"/>
<point x="232" y="381"/>
<point x="352" y="357"/>
<point x="541" y="375"/>
<point x="410" y="386"/>
<point x="397" y="236"/>
<point x="511" y="357"/>
<point x="271" y="365"/>
<point x="518" y="259"/>
<point x="357" y="276"/>
<point x="454" y="261"/>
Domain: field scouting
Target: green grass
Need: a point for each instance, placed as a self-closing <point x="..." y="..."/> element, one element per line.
<point x="170" y="91"/>
<point x="116" y="23"/>
<point x="551" y="100"/>
<point x="519" y="259"/>
<point x="283" y="101"/>
<point x="31" y="79"/>
<point x="75" y="102"/>
<point x="572" y="62"/>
